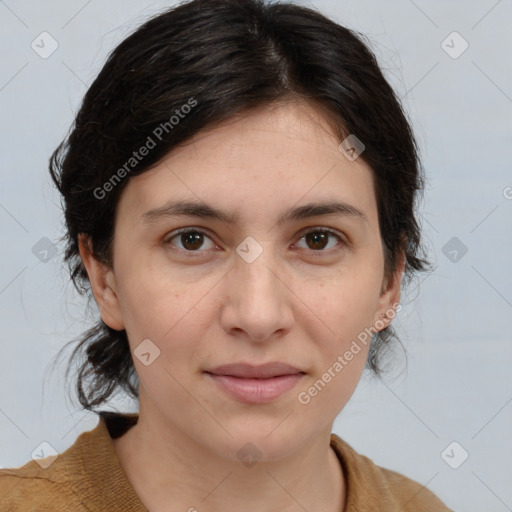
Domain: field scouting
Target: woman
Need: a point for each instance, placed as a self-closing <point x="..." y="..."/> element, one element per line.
<point x="239" y="189"/>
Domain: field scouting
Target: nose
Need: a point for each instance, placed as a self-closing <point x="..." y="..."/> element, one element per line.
<point x="258" y="305"/>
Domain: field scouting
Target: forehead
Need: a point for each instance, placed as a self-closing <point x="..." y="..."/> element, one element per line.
<point x="261" y="158"/>
<point x="301" y="123"/>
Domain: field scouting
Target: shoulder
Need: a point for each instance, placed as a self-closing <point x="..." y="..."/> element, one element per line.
<point x="49" y="482"/>
<point x="87" y="476"/>
<point x="371" y="485"/>
<point x="32" y="488"/>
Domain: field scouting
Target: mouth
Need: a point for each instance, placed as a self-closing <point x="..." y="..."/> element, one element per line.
<point x="248" y="371"/>
<point x="255" y="384"/>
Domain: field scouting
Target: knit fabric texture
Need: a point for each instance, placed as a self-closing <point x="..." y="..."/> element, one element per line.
<point x="88" y="477"/>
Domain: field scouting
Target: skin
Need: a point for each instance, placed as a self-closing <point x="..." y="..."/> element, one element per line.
<point x="299" y="302"/>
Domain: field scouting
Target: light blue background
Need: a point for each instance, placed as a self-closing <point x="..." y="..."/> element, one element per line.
<point x="457" y="331"/>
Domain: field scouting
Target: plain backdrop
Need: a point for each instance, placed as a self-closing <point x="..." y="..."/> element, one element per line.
<point x="456" y="321"/>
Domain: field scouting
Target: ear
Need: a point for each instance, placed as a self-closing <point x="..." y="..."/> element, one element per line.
<point x="390" y="297"/>
<point x="103" y="285"/>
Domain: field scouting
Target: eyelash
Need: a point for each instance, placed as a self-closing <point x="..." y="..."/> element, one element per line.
<point x="338" y="236"/>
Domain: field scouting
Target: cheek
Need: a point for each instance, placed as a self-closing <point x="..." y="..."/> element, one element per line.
<point x="341" y="357"/>
<point x="154" y="301"/>
<point x="345" y="309"/>
<point x="342" y="306"/>
<point x="325" y="395"/>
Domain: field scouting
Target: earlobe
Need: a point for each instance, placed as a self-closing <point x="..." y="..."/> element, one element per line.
<point x="103" y="287"/>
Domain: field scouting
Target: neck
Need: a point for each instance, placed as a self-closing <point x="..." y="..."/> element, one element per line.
<point x="170" y="471"/>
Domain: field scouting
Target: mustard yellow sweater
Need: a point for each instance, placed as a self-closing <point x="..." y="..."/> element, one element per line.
<point x="88" y="477"/>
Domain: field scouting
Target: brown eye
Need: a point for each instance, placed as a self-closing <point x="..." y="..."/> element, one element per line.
<point x="317" y="240"/>
<point x="191" y="240"/>
<point x="320" y="239"/>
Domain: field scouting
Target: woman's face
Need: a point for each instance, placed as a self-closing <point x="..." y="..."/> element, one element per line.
<point x="268" y="283"/>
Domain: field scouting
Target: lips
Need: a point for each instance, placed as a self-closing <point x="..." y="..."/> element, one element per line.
<point x="248" y="371"/>
<point x="255" y="384"/>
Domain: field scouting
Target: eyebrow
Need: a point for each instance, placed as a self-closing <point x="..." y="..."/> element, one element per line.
<point x="205" y="211"/>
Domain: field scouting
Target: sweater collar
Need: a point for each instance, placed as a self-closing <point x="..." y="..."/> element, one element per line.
<point x="105" y="484"/>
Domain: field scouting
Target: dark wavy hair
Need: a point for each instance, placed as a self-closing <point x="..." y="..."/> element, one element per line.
<point x="230" y="56"/>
